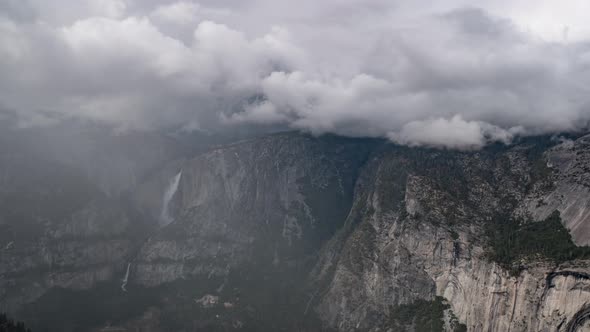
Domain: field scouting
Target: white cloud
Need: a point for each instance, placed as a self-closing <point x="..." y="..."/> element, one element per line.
<point x="107" y="8"/>
<point x="263" y="112"/>
<point x="129" y="73"/>
<point x="62" y="12"/>
<point x="102" y="42"/>
<point x="178" y="13"/>
<point x="454" y="133"/>
<point x="437" y="75"/>
<point x="12" y="46"/>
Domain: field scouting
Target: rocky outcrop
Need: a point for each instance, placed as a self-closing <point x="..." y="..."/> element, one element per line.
<point x="267" y="203"/>
<point x="414" y="236"/>
<point x="570" y="193"/>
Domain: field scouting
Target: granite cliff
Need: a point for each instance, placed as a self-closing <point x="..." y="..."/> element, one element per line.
<point x="419" y="230"/>
<point x="291" y="232"/>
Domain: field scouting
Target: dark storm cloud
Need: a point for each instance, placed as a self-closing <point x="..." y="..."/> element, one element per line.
<point x="420" y="73"/>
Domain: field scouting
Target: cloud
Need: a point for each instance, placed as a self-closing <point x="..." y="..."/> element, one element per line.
<point x="442" y="75"/>
<point x="128" y="73"/>
<point x="454" y="133"/>
<point x="177" y="13"/>
<point x="18" y="10"/>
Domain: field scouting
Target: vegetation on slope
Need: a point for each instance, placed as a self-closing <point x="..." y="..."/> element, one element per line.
<point x="513" y="240"/>
<point x="423" y="316"/>
<point x="9" y="325"/>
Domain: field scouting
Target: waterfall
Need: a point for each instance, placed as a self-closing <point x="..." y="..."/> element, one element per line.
<point x="165" y="217"/>
<point x="126" y="279"/>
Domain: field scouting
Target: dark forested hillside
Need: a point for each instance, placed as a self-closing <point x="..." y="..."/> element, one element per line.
<point x="9" y="325"/>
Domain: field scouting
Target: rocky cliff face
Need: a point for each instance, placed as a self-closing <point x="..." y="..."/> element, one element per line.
<point x="352" y="235"/>
<point x="571" y="162"/>
<point x="421" y="233"/>
<point x="246" y="221"/>
<point x="266" y="202"/>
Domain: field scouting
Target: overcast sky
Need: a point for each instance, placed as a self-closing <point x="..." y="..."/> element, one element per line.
<point x="453" y="73"/>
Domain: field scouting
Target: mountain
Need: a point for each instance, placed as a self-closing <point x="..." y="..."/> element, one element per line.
<point x="289" y="232"/>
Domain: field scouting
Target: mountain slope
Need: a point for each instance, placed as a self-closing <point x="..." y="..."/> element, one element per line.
<point x="419" y="229"/>
<point x="295" y="233"/>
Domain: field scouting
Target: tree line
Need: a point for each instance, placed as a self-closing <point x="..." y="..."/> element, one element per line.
<point x="9" y="325"/>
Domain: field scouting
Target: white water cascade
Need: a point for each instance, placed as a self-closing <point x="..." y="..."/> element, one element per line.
<point x="165" y="217"/>
<point x="126" y="279"/>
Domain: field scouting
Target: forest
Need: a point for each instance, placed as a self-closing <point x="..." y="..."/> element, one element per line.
<point x="9" y="325"/>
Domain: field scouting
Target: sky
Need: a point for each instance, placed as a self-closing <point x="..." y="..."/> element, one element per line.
<point x="442" y="73"/>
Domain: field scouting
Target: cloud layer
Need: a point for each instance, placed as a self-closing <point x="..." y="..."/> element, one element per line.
<point x="439" y="74"/>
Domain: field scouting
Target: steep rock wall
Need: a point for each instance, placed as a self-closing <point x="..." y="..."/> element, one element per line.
<point x="413" y="235"/>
